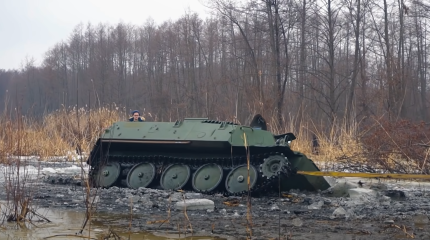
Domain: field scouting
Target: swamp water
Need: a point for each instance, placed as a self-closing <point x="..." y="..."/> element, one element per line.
<point x="67" y="225"/>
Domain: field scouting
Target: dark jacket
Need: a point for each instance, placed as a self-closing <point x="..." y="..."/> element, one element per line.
<point x="140" y="119"/>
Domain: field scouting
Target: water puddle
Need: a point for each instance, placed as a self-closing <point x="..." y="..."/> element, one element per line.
<point x="67" y="225"/>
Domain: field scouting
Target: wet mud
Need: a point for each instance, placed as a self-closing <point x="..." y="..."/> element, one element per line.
<point x="378" y="210"/>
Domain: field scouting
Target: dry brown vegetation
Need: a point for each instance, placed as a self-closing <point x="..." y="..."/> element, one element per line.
<point x="57" y="134"/>
<point x="367" y="146"/>
<point x="372" y="145"/>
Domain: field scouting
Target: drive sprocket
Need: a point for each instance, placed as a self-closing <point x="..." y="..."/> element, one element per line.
<point x="273" y="166"/>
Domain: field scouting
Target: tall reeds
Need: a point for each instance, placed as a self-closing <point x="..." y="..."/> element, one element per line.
<point x="18" y="185"/>
<point x="57" y="134"/>
<point x="351" y="143"/>
<point x="374" y="144"/>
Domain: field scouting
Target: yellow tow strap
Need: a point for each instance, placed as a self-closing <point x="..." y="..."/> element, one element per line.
<point x="367" y="175"/>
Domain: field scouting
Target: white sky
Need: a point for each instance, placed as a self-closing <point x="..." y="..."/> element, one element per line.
<point x="28" y="28"/>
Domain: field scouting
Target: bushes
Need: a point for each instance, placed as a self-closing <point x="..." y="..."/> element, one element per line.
<point x="400" y="147"/>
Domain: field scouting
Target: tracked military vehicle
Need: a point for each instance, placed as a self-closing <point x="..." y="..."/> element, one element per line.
<point x="203" y="155"/>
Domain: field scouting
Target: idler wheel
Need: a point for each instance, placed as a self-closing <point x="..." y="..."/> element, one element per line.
<point x="175" y="176"/>
<point x="272" y="166"/>
<point x="237" y="179"/>
<point x="108" y="174"/>
<point x="141" y="175"/>
<point x="207" y="177"/>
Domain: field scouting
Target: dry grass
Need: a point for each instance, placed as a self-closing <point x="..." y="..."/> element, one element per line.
<point x="374" y="145"/>
<point x="58" y="134"/>
<point x="325" y="146"/>
<point x="340" y="145"/>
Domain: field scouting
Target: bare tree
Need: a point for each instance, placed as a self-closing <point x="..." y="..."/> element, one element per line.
<point x="326" y="59"/>
<point x="355" y="68"/>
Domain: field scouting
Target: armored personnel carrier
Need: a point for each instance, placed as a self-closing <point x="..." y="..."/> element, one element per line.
<point x="203" y="155"/>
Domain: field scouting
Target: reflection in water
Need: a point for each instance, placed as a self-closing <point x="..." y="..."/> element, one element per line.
<point x="67" y="225"/>
<point x="63" y="223"/>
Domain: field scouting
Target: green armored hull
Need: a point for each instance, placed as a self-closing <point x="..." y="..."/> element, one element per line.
<point x="203" y="155"/>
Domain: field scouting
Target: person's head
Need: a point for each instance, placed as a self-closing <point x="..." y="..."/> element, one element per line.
<point x="136" y="115"/>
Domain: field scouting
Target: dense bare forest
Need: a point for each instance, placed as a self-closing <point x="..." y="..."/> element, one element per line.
<point x="286" y="59"/>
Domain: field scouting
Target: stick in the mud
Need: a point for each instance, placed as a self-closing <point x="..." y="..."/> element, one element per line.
<point x="37" y="214"/>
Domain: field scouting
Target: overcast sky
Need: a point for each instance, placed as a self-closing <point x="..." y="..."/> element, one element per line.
<point x="28" y="28"/>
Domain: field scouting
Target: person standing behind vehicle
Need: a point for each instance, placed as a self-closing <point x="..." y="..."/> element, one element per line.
<point x="136" y="117"/>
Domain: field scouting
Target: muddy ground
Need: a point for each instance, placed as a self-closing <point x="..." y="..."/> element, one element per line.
<point x="383" y="210"/>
